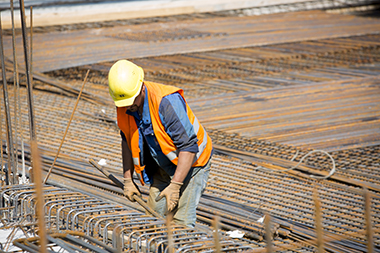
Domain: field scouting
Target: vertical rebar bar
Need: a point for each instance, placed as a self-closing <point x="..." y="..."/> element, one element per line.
<point x="119" y="245"/>
<point x="7" y="111"/>
<point x="37" y="173"/>
<point x="15" y="84"/>
<point x="31" y="43"/>
<point x="268" y="233"/>
<point x="169" y="219"/>
<point x="1" y="145"/>
<point x="318" y="220"/>
<point x="18" y="99"/>
<point x="216" y="226"/>
<point x="368" y="221"/>
<point x="33" y="135"/>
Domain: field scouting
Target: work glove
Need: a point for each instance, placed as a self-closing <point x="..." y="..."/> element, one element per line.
<point x="130" y="189"/>
<point x="171" y="193"/>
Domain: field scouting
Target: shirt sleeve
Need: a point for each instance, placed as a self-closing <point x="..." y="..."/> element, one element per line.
<point x="174" y="117"/>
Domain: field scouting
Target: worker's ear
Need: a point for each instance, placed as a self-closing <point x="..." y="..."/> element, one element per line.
<point x="143" y="89"/>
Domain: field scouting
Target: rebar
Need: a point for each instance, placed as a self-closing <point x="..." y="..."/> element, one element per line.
<point x="15" y="88"/>
<point x="282" y="99"/>
<point x="368" y="221"/>
<point x="37" y="173"/>
<point x="11" y="162"/>
<point x="32" y="126"/>
<point x="3" y="175"/>
<point x="31" y="43"/>
<point x="98" y="219"/>
<point x="318" y="220"/>
<point x="67" y="128"/>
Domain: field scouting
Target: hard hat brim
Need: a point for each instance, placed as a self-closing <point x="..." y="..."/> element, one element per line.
<point x="128" y="101"/>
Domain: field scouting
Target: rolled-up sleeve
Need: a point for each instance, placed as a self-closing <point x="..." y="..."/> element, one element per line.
<point x="174" y="117"/>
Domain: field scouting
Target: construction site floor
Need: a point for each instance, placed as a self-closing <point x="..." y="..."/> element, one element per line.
<point x="275" y="92"/>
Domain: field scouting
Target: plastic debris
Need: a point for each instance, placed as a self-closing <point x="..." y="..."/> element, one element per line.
<point x="261" y="220"/>
<point x="102" y="162"/>
<point x="235" y="234"/>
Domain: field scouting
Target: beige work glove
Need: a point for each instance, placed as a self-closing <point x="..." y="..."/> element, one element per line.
<point x="171" y="193"/>
<point x="130" y="189"/>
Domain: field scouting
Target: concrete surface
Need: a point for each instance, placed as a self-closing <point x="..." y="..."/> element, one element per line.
<point x="114" y="10"/>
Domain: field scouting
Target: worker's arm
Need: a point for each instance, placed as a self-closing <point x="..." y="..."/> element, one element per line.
<point x="126" y="154"/>
<point x="178" y="126"/>
<point x="185" y="160"/>
<point x="130" y="188"/>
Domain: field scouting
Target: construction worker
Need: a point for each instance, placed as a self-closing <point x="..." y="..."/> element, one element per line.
<point x="162" y="142"/>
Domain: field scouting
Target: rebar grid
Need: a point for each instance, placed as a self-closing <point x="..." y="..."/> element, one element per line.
<point x="78" y="221"/>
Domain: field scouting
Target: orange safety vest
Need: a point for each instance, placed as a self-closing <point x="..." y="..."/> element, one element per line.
<point x="128" y="125"/>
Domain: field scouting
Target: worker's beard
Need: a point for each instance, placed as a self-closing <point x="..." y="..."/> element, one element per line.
<point x="133" y="108"/>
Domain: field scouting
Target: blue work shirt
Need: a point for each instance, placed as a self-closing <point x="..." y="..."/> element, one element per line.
<point x="173" y="115"/>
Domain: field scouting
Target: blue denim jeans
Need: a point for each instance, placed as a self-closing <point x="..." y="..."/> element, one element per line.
<point x="191" y="191"/>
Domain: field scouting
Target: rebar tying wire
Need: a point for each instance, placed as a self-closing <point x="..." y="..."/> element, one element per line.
<point x="332" y="171"/>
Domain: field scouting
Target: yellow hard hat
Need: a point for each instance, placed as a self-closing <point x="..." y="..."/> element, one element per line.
<point x="124" y="80"/>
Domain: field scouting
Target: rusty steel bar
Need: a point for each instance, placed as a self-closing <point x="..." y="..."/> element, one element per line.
<point x="368" y="221"/>
<point x="121" y="185"/>
<point x="167" y="40"/>
<point x="11" y="162"/>
<point x="32" y="126"/>
<point x="118" y="240"/>
<point x="137" y="230"/>
<point x="16" y="96"/>
<point x="286" y="164"/>
<point x="239" y="190"/>
<point x="241" y="171"/>
<point x="67" y="128"/>
<point x="216" y="233"/>
<point x="268" y="234"/>
<point x="31" y="43"/>
<point x="170" y="247"/>
<point x="37" y="173"/>
<point x="318" y="220"/>
<point x="1" y="149"/>
<point x="248" y="234"/>
<point x="70" y="241"/>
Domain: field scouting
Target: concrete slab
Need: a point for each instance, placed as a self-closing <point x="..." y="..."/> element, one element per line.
<point x="115" y="10"/>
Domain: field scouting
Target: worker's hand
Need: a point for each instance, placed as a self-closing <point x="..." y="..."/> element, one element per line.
<point x="130" y="189"/>
<point x="171" y="193"/>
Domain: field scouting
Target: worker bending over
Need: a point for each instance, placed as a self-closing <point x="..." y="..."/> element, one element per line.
<point x="162" y="141"/>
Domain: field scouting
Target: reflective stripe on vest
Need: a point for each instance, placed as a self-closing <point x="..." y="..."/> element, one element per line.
<point x="136" y="161"/>
<point x="201" y="147"/>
